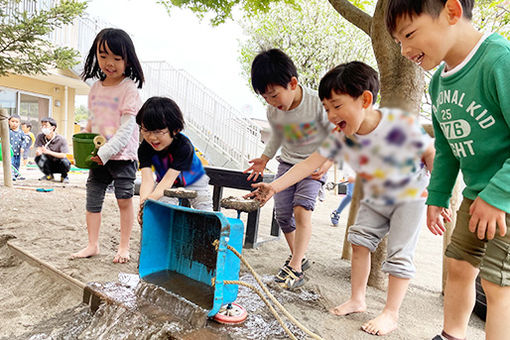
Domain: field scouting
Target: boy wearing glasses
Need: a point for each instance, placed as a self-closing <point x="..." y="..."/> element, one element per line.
<point x="171" y="154"/>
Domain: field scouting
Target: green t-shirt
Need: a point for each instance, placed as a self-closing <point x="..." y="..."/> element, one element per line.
<point x="471" y="118"/>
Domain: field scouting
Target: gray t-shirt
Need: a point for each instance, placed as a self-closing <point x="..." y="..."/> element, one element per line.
<point x="299" y="131"/>
<point x="57" y="144"/>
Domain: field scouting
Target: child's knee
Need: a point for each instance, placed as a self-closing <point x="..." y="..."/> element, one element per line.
<point x="461" y="270"/>
<point x="496" y="295"/>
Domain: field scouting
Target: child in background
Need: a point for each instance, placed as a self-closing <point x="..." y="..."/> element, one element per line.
<point x="387" y="148"/>
<point x="349" y="177"/>
<point x="27" y="130"/>
<point x="299" y="125"/>
<point x="114" y="102"/>
<point x="471" y="119"/>
<point x="172" y="155"/>
<point x="18" y="142"/>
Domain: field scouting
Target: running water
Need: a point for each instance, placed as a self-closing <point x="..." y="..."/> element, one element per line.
<point x="141" y="310"/>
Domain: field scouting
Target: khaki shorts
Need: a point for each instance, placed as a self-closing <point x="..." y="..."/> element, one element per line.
<point x="491" y="256"/>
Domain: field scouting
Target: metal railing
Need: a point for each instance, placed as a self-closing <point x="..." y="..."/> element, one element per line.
<point x="217" y="122"/>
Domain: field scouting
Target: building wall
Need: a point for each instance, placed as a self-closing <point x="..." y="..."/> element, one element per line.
<point x="55" y="91"/>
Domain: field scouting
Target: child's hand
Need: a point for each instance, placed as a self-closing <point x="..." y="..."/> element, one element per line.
<point x="435" y="218"/>
<point x="263" y="193"/>
<point x="97" y="160"/>
<point x="140" y="213"/>
<point x="257" y="168"/>
<point x="485" y="218"/>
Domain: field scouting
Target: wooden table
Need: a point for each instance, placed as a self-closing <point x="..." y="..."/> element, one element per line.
<point x="229" y="178"/>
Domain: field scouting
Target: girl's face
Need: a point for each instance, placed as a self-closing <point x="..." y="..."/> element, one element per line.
<point x="158" y="139"/>
<point x="112" y="65"/>
<point x="14" y="123"/>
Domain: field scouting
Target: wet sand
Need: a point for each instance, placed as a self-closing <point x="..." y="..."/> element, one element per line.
<point x="51" y="225"/>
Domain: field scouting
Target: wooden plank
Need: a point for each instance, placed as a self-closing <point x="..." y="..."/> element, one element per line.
<point x="47" y="268"/>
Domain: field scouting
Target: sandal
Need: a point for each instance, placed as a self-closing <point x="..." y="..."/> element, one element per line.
<point x="305" y="264"/>
<point x="289" y="279"/>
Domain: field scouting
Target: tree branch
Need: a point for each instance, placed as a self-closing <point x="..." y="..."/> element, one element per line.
<point x="353" y="14"/>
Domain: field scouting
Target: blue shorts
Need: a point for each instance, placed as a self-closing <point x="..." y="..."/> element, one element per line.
<point x="122" y="173"/>
<point x="303" y="193"/>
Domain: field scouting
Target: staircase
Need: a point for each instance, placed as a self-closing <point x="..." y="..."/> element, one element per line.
<point x="215" y="127"/>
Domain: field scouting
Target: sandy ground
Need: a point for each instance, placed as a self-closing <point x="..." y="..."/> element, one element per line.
<point x="51" y="225"/>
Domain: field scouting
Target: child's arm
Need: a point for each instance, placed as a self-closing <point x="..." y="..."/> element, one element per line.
<point x="318" y="173"/>
<point x="428" y="156"/>
<point x="299" y="171"/>
<point x="120" y="139"/>
<point x="88" y="128"/>
<point x="166" y="183"/>
<point x="147" y="185"/>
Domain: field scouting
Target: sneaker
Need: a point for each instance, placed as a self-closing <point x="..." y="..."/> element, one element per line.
<point x="64" y="180"/>
<point x="305" y="264"/>
<point x="46" y="178"/>
<point x="335" y="217"/>
<point x="289" y="279"/>
<point x="20" y="178"/>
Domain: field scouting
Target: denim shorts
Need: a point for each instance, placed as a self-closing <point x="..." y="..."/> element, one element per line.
<point x="491" y="256"/>
<point x="303" y="193"/>
<point x="121" y="172"/>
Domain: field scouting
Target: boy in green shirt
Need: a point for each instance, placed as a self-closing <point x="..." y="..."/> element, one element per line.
<point x="471" y="118"/>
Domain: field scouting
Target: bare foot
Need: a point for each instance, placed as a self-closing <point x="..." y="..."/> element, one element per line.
<point x="383" y="324"/>
<point x="89" y="251"/>
<point x="122" y="256"/>
<point x="348" y="307"/>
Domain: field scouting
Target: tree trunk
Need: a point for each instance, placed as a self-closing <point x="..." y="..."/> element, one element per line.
<point x="402" y="82"/>
<point x="6" y="147"/>
<point x="357" y="195"/>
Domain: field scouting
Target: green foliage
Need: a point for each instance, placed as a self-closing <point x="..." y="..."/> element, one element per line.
<point x="221" y="9"/>
<point x="81" y="113"/>
<point x="24" y="48"/>
<point x="493" y="16"/>
<point x="311" y="32"/>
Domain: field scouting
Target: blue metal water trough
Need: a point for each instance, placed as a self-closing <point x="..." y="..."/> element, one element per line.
<point x="177" y="253"/>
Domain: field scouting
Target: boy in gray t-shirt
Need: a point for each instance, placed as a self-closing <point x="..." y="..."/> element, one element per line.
<point x="299" y="125"/>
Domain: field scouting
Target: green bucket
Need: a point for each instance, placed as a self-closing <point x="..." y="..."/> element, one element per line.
<point x="83" y="147"/>
<point x="1" y="159"/>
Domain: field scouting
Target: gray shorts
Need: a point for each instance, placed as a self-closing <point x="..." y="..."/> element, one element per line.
<point x="303" y="193"/>
<point x="402" y="222"/>
<point x="203" y="201"/>
<point x="122" y="173"/>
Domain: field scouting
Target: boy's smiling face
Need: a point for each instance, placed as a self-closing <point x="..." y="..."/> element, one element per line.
<point x="423" y="39"/>
<point x="345" y="112"/>
<point x="283" y="98"/>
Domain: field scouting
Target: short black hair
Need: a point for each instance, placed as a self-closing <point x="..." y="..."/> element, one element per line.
<point x="27" y="124"/>
<point x="409" y="8"/>
<point x="50" y="120"/>
<point x="16" y="116"/>
<point x="120" y="44"/>
<point x="271" y="67"/>
<point x="351" y="78"/>
<point x="159" y="113"/>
